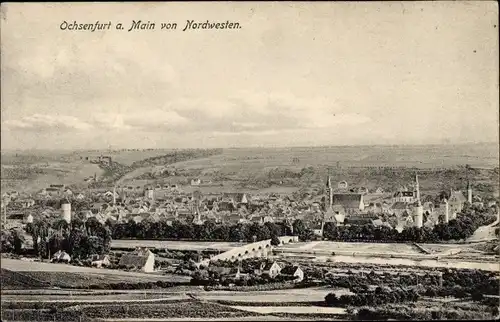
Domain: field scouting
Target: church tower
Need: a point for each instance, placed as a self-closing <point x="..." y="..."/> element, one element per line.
<point x="329" y="201"/>
<point x="419" y="209"/>
<point x="417" y="188"/>
<point x="446" y="211"/>
<point x="469" y="192"/>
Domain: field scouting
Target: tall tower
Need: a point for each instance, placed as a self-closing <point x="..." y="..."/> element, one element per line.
<point x="419" y="209"/>
<point x="114" y="196"/>
<point x="66" y="210"/>
<point x="469" y="192"/>
<point x="446" y="211"/>
<point x="330" y="192"/>
<point x="417" y="188"/>
<point x="419" y="215"/>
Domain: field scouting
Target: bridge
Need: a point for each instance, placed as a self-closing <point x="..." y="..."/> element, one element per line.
<point x="258" y="249"/>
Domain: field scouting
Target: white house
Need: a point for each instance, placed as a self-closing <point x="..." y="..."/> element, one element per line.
<point x="195" y="182"/>
<point x="100" y="261"/>
<point x="61" y="256"/>
<point x="272" y="269"/>
<point x="293" y="271"/>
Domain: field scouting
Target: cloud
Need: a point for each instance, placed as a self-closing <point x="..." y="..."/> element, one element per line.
<point x="147" y="120"/>
<point x="261" y="112"/>
<point x="48" y="123"/>
<point x="244" y="113"/>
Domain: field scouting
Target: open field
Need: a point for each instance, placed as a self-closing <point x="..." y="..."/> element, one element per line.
<point x="379" y="260"/>
<point x="374" y="249"/>
<point x="356" y="248"/>
<point x="24" y="266"/>
<point x="230" y="186"/>
<point x="128" y="157"/>
<point x="31" y="178"/>
<point x="280" y="170"/>
<point x="292" y="309"/>
<point x="70" y="298"/>
<point x="240" y="318"/>
<point x="251" y="169"/>
<point x="173" y="244"/>
<point x="84" y="279"/>
<point x="481" y="155"/>
<point x="311" y="294"/>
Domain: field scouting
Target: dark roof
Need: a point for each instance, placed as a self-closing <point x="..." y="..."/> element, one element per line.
<point x="289" y="269"/>
<point x="399" y="205"/>
<point x="404" y="194"/>
<point x="236" y="196"/>
<point x="268" y="266"/>
<point x="137" y="258"/>
<point x="358" y="220"/>
<point x="348" y="200"/>
<point x="457" y="196"/>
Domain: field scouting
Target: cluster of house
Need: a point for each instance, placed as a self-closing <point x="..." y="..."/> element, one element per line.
<point x="141" y="259"/>
<point x="271" y="269"/>
<point x="406" y="209"/>
<point x="169" y="203"/>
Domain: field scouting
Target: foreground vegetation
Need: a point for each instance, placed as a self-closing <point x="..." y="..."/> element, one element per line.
<point x="137" y="310"/>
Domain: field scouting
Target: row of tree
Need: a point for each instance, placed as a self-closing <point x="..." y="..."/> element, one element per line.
<point x="80" y="239"/>
<point x="377" y="297"/>
<point x="462" y="227"/>
<point x="209" y="230"/>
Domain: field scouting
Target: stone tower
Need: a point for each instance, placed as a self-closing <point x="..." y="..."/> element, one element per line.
<point x="419" y="209"/>
<point x="469" y="192"/>
<point x="329" y="201"/>
<point x="446" y="211"/>
<point x="419" y="215"/>
<point x="417" y="188"/>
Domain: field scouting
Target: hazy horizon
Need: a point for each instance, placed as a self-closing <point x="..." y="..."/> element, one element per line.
<point x="295" y="75"/>
<point x="259" y="147"/>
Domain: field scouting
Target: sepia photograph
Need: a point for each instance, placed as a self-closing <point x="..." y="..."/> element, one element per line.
<point x="250" y="161"/>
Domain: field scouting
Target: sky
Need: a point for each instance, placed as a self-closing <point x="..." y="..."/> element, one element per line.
<point x="294" y="74"/>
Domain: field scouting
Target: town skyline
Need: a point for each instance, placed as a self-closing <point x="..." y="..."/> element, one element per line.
<point x="404" y="74"/>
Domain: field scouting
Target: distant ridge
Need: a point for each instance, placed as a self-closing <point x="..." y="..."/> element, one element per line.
<point x="258" y="147"/>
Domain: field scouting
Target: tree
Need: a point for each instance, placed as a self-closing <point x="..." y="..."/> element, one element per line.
<point x="275" y="241"/>
<point x="298" y="227"/>
<point x="76" y="241"/>
<point x="6" y="239"/>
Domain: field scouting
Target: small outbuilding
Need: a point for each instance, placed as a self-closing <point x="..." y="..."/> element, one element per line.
<point x="142" y="259"/>
<point x="61" y="257"/>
